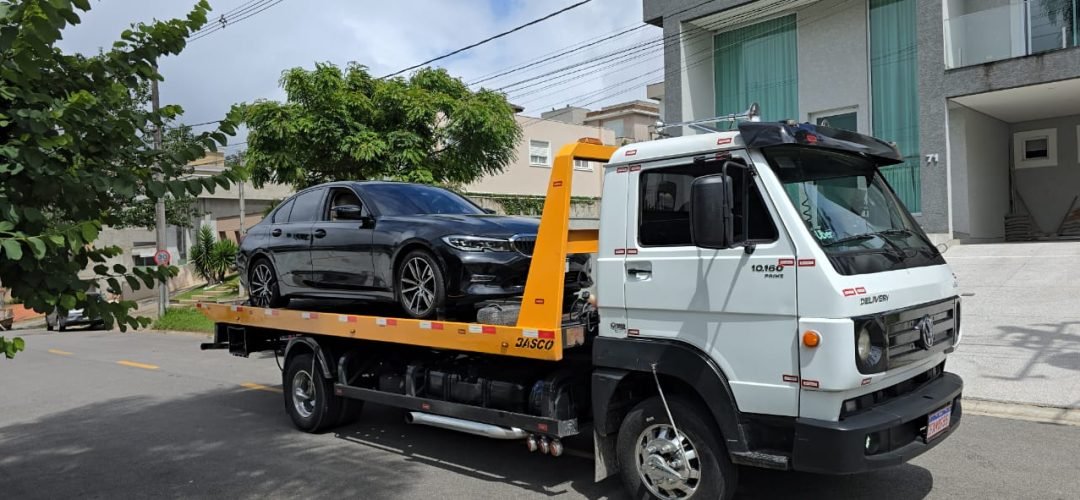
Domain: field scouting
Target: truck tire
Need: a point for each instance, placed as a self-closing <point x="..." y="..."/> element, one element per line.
<point x="646" y="439"/>
<point x="309" y="397"/>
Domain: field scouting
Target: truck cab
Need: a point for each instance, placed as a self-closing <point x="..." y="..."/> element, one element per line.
<point x="772" y="274"/>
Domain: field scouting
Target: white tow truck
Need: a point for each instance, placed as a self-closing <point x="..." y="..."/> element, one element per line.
<point x="763" y="299"/>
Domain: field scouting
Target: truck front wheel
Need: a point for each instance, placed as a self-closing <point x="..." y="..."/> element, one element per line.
<point x="309" y="397"/>
<point x="655" y="463"/>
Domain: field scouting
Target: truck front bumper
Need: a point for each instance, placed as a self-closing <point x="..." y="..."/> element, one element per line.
<point x="888" y="434"/>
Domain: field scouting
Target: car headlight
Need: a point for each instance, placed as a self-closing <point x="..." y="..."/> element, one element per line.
<point x="870" y="345"/>
<point x="478" y="244"/>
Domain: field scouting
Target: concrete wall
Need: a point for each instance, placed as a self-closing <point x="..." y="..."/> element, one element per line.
<point x="833" y="59"/>
<point x="1048" y="191"/>
<point x="522" y="178"/>
<point x="692" y="74"/>
<point x="570" y="114"/>
<point x="980" y="173"/>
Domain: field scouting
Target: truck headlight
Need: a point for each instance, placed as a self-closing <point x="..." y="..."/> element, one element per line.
<point x="870" y="345"/>
<point x="478" y="244"/>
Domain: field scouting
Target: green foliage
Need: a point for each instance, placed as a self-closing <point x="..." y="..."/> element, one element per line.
<point x="74" y="142"/>
<point x="179" y="212"/>
<point x="524" y="204"/>
<point x="184" y="319"/>
<point x="347" y="125"/>
<point x="223" y="259"/>
<point x="213" y="260"/>
<point x="202" y="253"/>
<point x="10" y="347"/>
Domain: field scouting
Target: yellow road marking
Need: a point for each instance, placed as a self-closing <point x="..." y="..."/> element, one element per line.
<point x="259" y="387"/>
<point x="59" y="352"/>
<point x="133" y="364"/>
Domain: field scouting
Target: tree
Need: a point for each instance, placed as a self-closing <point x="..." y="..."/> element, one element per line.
<point x="211" y="259"/>
<point x="180" y="210"/>
<point x="337" y="125"/>
<point x="71" y="143"/>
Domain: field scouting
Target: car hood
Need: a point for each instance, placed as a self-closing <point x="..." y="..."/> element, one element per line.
<point x="476" y="225"/>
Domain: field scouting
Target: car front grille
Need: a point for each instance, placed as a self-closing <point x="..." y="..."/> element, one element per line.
<point x="906" y="343"/>
<point x="524" y="244"/>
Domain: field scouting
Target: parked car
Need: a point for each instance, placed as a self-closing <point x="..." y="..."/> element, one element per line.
<point x="421" y="246"/>
<point x="74" y="317"/>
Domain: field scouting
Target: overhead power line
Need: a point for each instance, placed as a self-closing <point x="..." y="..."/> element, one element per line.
<point x="244" y="11"/>
<point x="493" y="37"/>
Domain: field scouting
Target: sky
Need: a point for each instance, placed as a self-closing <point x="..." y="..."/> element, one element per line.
<point x="244" y="61"/>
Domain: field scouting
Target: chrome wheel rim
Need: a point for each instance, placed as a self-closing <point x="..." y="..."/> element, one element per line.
<point x="669" y="467"/>
<point x="418" y="286"/>
<point x="262" y="285"/>
<point x="303" y="394"/>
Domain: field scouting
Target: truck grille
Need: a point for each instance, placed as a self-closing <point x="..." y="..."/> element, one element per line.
<point x="904" y="328"/>
<point x="524" y="244"/>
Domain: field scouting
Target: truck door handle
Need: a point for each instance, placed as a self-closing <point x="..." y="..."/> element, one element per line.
<point x="319" y="233"/>
<point x="640" y="271"/>
<point x="275" y="232"/>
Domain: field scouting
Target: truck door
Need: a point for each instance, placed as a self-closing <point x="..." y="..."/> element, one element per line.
<point x="737" y="307"/>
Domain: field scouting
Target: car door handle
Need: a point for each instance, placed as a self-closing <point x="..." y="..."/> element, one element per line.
<point x="319" y="233"/>
<point x="275" y="232"/>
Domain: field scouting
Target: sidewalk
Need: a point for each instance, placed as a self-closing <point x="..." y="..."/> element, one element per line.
<point x="1020" y="321"/>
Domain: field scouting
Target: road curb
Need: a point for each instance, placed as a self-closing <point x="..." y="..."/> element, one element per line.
<point x="1020" y="411"/>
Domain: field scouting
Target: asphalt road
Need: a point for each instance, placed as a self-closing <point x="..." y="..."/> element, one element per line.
<point x="111" y="415"/>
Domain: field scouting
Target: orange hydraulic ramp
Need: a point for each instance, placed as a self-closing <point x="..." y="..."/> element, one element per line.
<point x="542" y="306"/>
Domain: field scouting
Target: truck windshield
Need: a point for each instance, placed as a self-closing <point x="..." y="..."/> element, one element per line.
<point x="850" y="210"/>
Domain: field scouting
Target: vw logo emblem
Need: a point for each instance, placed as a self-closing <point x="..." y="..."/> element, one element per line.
<point x="925" y="327"/>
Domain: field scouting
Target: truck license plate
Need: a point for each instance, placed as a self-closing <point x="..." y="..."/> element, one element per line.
<point x="939" y="421"/>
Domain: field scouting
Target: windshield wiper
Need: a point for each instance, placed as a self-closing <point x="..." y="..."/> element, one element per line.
<point x="896" y="250"/>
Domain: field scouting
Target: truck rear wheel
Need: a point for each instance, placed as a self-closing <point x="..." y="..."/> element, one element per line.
<point x="655" y="464"/>
<point x="309" y="397"/>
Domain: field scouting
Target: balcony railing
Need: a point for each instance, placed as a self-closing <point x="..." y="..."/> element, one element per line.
<point x="1018" y="29"/>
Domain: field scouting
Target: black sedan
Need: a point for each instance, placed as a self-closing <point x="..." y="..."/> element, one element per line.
<point x="424" y="247"/>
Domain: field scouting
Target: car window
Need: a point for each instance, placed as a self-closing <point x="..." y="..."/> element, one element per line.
<point x="414" y="199"/>
<point x="308" y="205"/>
<point x="281" y="216"/>
<point x="340" y="197"/>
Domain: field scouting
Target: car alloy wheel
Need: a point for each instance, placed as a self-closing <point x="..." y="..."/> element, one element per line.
<point x="263" y="285"/>
<point x="419" y="287"/>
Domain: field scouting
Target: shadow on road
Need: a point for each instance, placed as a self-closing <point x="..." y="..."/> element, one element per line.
<point x="239" y="443"/>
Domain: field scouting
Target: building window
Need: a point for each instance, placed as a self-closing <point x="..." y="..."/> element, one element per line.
<point x="617" y="127"/>
<point x="539" y="153"/>
<point x="1035" y="148"/>
<point x="583" y="165"/>
<point x="894" y="90"/>
<point x="758" y="63"/>
<point x="839" y="120"/>
<point x="143" y="260"/>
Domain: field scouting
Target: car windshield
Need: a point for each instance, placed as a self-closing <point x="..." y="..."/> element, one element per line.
<point x="848" y="207"/>
<point x="413" y="199"/>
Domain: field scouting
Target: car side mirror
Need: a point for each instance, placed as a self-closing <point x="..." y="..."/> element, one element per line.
<point x="490" y="211"/>
<point x="348" y="212"/>
<point x="710" y="211"/>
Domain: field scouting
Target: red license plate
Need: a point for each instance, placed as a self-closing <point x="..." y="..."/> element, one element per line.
<point x="938" y="422"/>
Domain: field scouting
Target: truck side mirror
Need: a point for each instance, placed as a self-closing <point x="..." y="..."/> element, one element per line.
<point x="348" y="212"/>
<point x="710" y="211"/>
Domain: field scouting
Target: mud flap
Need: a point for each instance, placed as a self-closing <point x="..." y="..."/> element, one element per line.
<point x="605" y="461"/>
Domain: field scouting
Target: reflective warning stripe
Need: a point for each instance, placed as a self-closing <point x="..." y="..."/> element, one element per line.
<point x="271" y="312"/>
<point x="385" y="321"/>
<point x="430" y="325"/>
<point x="485" y="329"/>
<point x="236" y="308"/>
<point x="345" y="318"/>
<point x="309" y="315"/>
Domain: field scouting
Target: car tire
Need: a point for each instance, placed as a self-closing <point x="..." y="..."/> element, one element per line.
<point x="48" y="323"/>
<point x="263" y="290"/>
<point x="419" y="285"/>
<point x="61" y="325"/>
<point x="309" y="396"/>
<point x="647" y="424"/>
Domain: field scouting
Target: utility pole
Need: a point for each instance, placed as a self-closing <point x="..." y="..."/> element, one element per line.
<point x="159" y="207"/>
